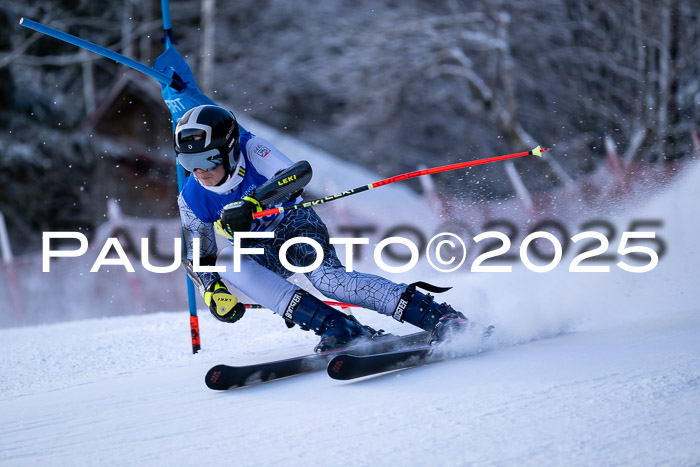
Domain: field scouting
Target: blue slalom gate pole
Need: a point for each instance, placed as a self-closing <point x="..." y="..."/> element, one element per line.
<point x="163" y="79"/>
<point x="168" y="39"/>
<point x="117" y="57"/>
<point x="167" y="26"/>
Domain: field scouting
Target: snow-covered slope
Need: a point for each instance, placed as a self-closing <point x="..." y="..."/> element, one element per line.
<point x="118" y="391"/>
<point x="589" y="369"/>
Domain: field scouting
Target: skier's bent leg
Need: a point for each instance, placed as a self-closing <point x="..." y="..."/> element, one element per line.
<point x="257" y="282"/>
<point x="401" y="301"/>
<point x="362" y="289"/>
<point x="292" y="303"/>
<point x="335" y="328"/>
<point x="440" y="319"/>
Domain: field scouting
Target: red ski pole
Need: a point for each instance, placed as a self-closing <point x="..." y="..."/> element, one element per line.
<point x="397" y="178"/>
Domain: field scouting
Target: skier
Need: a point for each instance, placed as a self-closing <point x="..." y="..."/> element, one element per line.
<point x="231" y="170"/>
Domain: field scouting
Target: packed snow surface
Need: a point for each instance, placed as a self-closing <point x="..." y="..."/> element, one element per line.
<point x="585" y="369"/>
<point x="118" y="392"/>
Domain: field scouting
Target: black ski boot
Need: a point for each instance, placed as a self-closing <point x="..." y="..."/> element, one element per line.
<point x="440" y="319"/>
<point x="335" y="328"/>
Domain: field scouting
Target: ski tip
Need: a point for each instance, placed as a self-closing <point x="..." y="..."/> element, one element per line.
<point x="339" y="367"/>
<point x="21" y="20"/>
<point x="215" y="380"/>
<point x="335" y="366"/>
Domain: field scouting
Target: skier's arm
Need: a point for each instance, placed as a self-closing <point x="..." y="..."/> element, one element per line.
<point x="286" y="185"/>
<point x="267" y="159"/>
<point x="222" y="304"/>
<point x="195" y="228"/>
<point x="286" y="181"/>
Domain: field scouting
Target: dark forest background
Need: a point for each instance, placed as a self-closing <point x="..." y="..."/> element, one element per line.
<point x="391" y="85"/>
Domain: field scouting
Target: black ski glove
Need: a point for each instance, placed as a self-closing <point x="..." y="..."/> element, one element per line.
<point x="238" y="216"/>
<point x="222" y="304"/>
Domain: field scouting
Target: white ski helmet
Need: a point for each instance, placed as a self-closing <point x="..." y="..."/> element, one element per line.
<point x="206" y="137"/>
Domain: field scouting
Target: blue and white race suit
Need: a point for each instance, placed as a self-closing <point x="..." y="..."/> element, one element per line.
<point x="262" y="277"/>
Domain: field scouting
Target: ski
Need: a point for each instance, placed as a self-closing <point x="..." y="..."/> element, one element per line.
<point x="223" y="377"/>
<point x="350" y="366"/>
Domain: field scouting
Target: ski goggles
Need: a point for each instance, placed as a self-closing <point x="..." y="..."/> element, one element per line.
<point x="207" y="160"/>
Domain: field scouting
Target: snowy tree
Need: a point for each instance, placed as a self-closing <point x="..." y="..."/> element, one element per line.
<point x="388" y="84"/>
